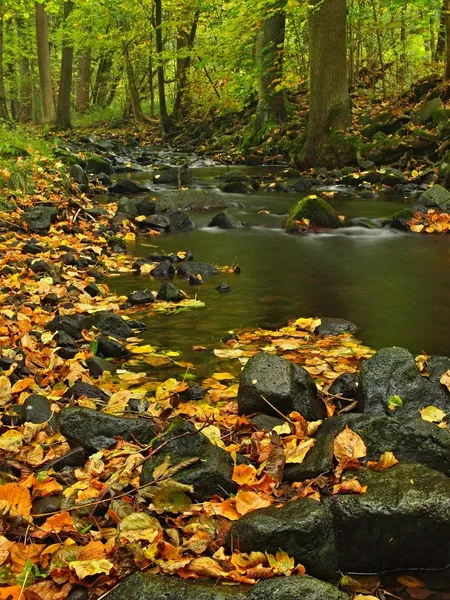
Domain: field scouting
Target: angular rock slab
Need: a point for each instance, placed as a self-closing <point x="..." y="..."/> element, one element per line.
<point x="210" y="475"/>
<point x="303" y="529"/>
<point x="286" y="386"/>
<point x="401" y="522"/>
<point x="295" y="588"/>
<point x="393" y="372"/>
<point x="94" y="430"/>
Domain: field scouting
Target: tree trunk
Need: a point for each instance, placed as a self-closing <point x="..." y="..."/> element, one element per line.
<point x="45" y="74"/>
<point x="134" y="93"/>
<point x="65" y="82"/>
<point x="185" y="40"/>
<point x="166" y="122"/>
<point x="447" y="35"/>
<point x="271" y="108"/>
<point x="329" y="97"/>
<point x="3" y="103"/>
<point x="84" y="81"/>
<point x="440" y="44"/>
<point x="101" y="82"/>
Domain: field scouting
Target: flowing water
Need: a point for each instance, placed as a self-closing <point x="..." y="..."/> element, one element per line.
<point x="393" y="286"/>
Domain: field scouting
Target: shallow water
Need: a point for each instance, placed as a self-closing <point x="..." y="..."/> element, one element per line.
<point x="394" y="286"/>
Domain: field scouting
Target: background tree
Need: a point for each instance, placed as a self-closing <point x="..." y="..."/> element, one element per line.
<point x="45" y="72"/>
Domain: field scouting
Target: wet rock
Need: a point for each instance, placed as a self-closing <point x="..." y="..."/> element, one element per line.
<point x="211" y="475"/>
<point x="317" y="211"/>
<point x="95" y="274"/>
<point x="435" y="197"/>
<point x="143" y="586"/>
<point x="170" y="293"/>
<point x="158" y="222"/>
<point x="69" y="258"/>
<point x="94" y="430"/>
<point x="109" y="324"/>
<point x="393" y="177"/>
<point x="193" y="393"/>
<point x="50" y="300"/>
<point x="410" y="439"/>
<point x="372" y="176"/>
<point x="179" y="221"/>
<point x="425" y="114"/>
<point x="140" y="298"/>
<point x="145" y="206"/>
<point x="93" y="290"/>
<point x="79" y="175"/>
<point x="334" y="326"/>
<point x="401" y="218"/>
<point x="266" y="422"/>
<point x="97" y="366"/>
<point x="74" y="458"/>
<point x="37" y="409"/>
<point x="79" y="594"/>
<point x="344" y="386"/>
<point x="286" y="386"/>
<point x="303" y="185"/>
<point x="223" y="288"/>
<point x="41" y="266"/>
<point x="224" y="221"/>
<point x="137" y="324"/>
<point x="127" y="186"/>
<point x="44" y="506"/>
<point x="127" y="207"/>
<point x="117" y="246"/>
<point x="111" y="348"/>
<point x="401" y="522"/>
<point x="295" y="588"/>
<point x="393" y="372"/>
<point x="165" y="270"/>
<point x="174" y="176"/>
<point x="80" y="388"/>
<point x="136" y="405"/>
<point x="303" y="529"/>
<point x="32" y="247"/>
<point x="96" y="165"/>
<point x="237" y="187"/>
<point x="39" y="219"/>
<point x="189" y="268"/>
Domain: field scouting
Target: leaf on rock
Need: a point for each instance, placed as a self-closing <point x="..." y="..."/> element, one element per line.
<point x="387" y="460"/>
<point x="349" y="486"/>
<point x="248" y="501"/>
<point x="171" y="499"/>
<point x="297" y="455"/>
<point x="432" y="414"/>
<point x="245" y="475"/>
<point x="87" y="568"/>
<point x="281" y="563"/>
<point x="206" y="567"/>
<point x="445" y="380"/>
<point x="394" y="402"/>
<point x="410" y="581"/>
<point x="349" y="444"/>
<point x="118" y="402"/>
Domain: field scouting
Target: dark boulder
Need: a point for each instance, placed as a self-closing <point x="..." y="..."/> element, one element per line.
<point x="345" y="386"/>
<point x="224" y="221"/>
<point x="401" y="218"/>
<point x="211" y="475"/>
<point x="393" y="372"/>
<point x="127" y="186"/>
<point x="180" y="221"/>
<point x="193" y="393"/>
<point x="37" y="409"/>
<point x="334" y="326"/>
<point x="426" y="112"/>
<point x="69" y="324"/>
<point x="237" y="187"/>
<point x="286" y="386"/>
<point x="79" y="175"/>
<point x="435" y="197"/>
<point x="127" y="207"/>
<point x="40" y="218"/>
<point x="33" y="247"/>
<point x="170" y="293"/>
<point x="303" y="529"/>
<point x="97" y="366"/>
<point x="160" y="222"/>
<point x="109" y="324"/>
<point x="165" y="270"/>
<point x="94" y="430"/>
<point x="316" y="211"/>
<point x="174" y="176"/>
<point x="223" y="288"/>
<point x="81" y="388"/>
<point x="40" y="266"/>
<point x="111" y="348"/>
<point x="264" y="422"/>
<point x="186" y="269"/>
<point x="140" y="298"/>
<point x="145" y="206"/>
<point x="295" y="588"/>
<point x="401" y="522"/>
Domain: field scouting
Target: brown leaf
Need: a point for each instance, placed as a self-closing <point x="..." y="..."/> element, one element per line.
<point x="20" y="553"/>
<point x="93" y="551"/>
<point x="275" y="464"/>
<point x="349" y="444"/>
<point x="387" y="460"/>
<point x="205" y="567"/>
<point x="248" y="501"/>
<point x="47" y="590"/>
<point x="349" y="486"/>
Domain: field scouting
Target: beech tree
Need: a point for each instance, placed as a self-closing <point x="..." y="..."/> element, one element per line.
<point x="45" y="73"/>
<point x="63" y="120"/>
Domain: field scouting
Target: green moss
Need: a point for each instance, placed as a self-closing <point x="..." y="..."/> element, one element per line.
<point x="403" y="215"/>
<point x="317" y="211"/>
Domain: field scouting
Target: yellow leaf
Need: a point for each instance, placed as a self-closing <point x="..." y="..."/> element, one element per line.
<point x="223" y="376"/>
<point x="139" y="526"/>
<point x="168" y="388"/>
<point x="248" y="501"/>
<point x="432" y="414"/>
<point x="386" y="461"/>
<point x="445" y="379"/>
<point x="11" y="441"/>
<point x="213" y="433"/>
<point x="86" y="568"/>
<point x="297" y="455"/>
<point x="147" y="349"/>
<point x="118" y="402"/>
<point x="5" y="390"/>
<point x="130" y="237"/>
<point x="349" y="444"/>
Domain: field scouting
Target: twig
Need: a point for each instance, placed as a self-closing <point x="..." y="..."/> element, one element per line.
<point x="276" y="410"/>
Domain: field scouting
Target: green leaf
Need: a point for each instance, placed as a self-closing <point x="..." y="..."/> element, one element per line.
<point x="395" y="402"/>
<point x="94" y="347"/>
<point x="26" y="577"/>
<point x="171" y="500"/>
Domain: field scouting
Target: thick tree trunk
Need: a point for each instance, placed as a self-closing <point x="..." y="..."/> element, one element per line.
<point x="271" y="109"/>
<point x="83" y="81"/>
<point x="163" y="114"/>
<point x="447" y="32"/>
<point x="329" y="96"/>
<point x="185" y="41"/>
<point x="3" y="103"/>
<point x="65" y="83"/>
<point x="45" y="74"/>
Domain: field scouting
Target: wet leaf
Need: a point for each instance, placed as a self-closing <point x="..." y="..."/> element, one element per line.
<point x="410" y="581"/>
<point x="394" y="402"/>
<point x="349" y="486"/>
<point x="432" y="414"/>
<point x="248" y="501"/>
<point x="349" y="444"/>
<point x="387" y="460"/>
<point x="139" y="526"/>
<point x="5" y="390"/>
<point x="87" y="568"/>
<point x="297" y="455"/>
<point x="172" y="500"/>
<point x="15" y="500"/>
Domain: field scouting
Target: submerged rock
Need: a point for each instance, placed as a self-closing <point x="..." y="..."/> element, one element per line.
<point x="316" y="210"/>
<point x="109" y="324"/>
<point x="127" y="186"/>
<point x="402" y="521"/>
<point x="174" y="176"/>
<point x="271" y="380"/>
<point x="189" y="268"/>
<point x="210" y="475"/>
<point x="94" y="430"/>
<point x="303" y="529"/>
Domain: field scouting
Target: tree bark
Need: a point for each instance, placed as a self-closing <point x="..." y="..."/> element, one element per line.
<point x="185" y="40"/>
<point x="101" y="81"/>
<point x="329" y="96"/>
<point x="440" y="44"/>
<point x="45" y="74"/>
<point x="3" y="103"/>
<point x="447" y="35"/>
<point x="65" y="82"/>
<point x="132" y="87"/>
<point x="84" y="81"/>
<point x="271" y="109"/>
<point x="166" y="122"/>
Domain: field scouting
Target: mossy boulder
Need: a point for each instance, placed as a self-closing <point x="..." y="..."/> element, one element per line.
<point x="318" y="212"/>
<point x="401" y="218"/>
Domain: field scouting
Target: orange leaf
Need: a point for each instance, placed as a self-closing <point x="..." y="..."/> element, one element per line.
<point x="20" y="553"/>
<point x="15" y="499"/>
<point x="349" y="486"/>
<point x="248" y="501"/>
<point x="387" y="460"/>
<point x="22" y="385"/>
<point x="244" y="474"/>
<point x="349" y="444"/>
<point x="12" y="592"/>
<point x="5" y="545"/>
<point x="227" y="509"/>
<point x="55" y="524"/>
<point x="93" y="551"/>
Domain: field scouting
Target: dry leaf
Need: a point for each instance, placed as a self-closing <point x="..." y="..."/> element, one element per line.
<point x="432" y="414"/>
<point x="248" y="501"/>
<point x="349" y="486"/>
<point x="15" y="500"/>
<point x="386" y="461"/>
<point x="349" y="444"/>
<point x="87" y="568"/>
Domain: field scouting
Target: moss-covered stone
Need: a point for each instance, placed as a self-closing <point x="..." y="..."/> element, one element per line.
<point x="400" y="219"/>
<point x="318" y="212"/>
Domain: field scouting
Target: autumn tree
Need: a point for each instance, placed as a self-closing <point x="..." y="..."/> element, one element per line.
<point x="65" y="81"/>
<point x="45" y="73"/>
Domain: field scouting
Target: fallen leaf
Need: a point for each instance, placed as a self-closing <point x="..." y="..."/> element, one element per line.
<point x="5" y="390"/>
<point x="15" y="500"/>
<point x="87" y="568"/>
<point x="349" y="444"/>
<point x="244" y="475"/>
<point x="297" y="456"/>
<point x="12" y="592"/>
<point x="248" y="501"/>
<point x="445" y="380"/>
<point x="47" y="590"/>
<point x="410" y="581"/>
<point x="387" y="460"/>
<point x="349" y="486"/>
<point x="432" y="414"/>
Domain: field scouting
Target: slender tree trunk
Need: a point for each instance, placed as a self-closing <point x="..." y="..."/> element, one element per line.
<point x="101" y="82"/>
<point x="150" y="80"/>
<point x="166" y="122"/>
<point x="329" y="97"/>
<point x="45" y="74"/>
<point x="184" y="41"/>
<point x="65" y="82"/>
<point x="132" y="87"/>
<point x="447" y="35"/>
<point x="440" y="44"/>
<point x="83" y="81"/>
<point x="3" y="103"/>
<point x="271" y="108"/>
